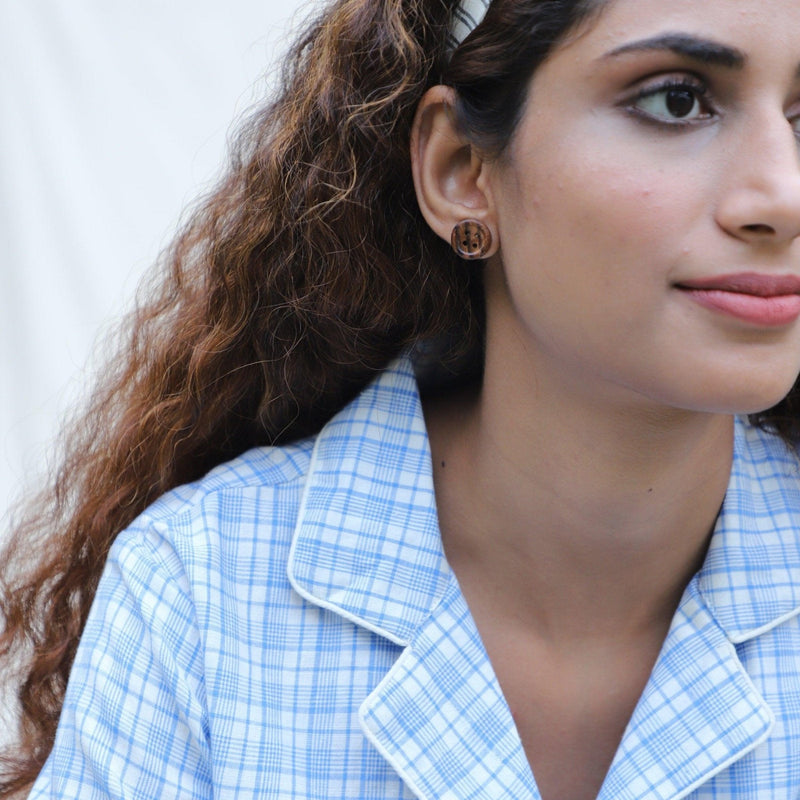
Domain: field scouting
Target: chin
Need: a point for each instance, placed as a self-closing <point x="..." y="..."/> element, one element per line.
<point x="743" y="388"/>
<point x="725" y="396"/>
<point x="751" y="402"/>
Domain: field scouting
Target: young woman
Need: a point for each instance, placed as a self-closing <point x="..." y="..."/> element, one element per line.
<point x="528" y="521"/>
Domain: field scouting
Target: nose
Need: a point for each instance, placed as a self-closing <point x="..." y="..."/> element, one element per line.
<point x="761" y="199"/>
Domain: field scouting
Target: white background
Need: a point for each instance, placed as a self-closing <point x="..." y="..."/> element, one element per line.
<point x="113" y="117"/>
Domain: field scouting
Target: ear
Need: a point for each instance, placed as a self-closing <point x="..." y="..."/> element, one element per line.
<point x="450" y="178"/>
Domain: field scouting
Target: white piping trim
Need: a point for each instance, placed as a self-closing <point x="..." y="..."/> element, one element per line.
<point x="747" y="635"/>
<point x="305" y="593"/>
<point x="741" y="753"/>
<point x="372" y="736"/>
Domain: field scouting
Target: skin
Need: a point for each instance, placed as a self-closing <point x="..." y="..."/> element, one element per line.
<point x="578" y="487"/>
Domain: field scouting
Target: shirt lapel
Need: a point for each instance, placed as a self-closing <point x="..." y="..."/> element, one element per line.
<point x="440" y="718"/>
<point x="700" y="712"/>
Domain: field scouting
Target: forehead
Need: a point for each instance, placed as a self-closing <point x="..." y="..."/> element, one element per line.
<point x="762" y="26"/>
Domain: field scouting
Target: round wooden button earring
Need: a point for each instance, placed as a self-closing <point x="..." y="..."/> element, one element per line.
<point x="471" y="239"/>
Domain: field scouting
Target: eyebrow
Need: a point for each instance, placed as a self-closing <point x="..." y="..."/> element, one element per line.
<point x="705" y="51"/>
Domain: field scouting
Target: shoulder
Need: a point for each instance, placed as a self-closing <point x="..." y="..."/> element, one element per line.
<point x="222" y="530"/>
<point x="190" y="598"/>
<point x="263" y="471"/>
<point x="221" y="548"/>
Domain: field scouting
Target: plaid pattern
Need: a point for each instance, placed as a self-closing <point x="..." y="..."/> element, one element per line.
<point x="467" y="16"/>
<point x="207" y="669"/>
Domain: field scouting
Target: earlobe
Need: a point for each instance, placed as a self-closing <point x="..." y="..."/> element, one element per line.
<point x="471" y="239"/>
<point x="448" y="174"/>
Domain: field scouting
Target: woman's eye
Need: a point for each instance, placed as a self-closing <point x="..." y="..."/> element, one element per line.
<point x="673" y="103"/>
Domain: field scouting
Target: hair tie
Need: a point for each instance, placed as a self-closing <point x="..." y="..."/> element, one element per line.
<point x="467" y="16"/>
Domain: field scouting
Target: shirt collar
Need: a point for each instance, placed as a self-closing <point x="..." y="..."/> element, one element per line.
<point x="750" y="579"/>
<point x="367" y="542"/>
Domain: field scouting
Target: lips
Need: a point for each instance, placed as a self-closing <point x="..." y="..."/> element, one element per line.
<point x="757" y="299"/>
<point x="752" y="283"/>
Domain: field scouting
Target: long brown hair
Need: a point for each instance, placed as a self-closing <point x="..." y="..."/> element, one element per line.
<point x="291" y="285"/>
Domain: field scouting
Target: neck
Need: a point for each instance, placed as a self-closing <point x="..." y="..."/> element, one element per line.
<point x="578" y="518"/>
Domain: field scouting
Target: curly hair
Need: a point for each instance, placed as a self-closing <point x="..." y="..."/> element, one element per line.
<point x="299" y="278"/>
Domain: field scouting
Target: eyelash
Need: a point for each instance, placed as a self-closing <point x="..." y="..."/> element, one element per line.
<point x="701" y="94"/>
<point x="697" y="89"/>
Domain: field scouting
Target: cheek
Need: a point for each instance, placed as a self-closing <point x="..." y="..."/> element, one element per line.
<point x="589" y="217"/>
<point x="631" y="208"/>
<point x="598" y="185"/>
<point x="593" y="220"/>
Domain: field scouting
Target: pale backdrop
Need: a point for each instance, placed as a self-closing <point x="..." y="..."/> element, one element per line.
<point x="114" y="116"/>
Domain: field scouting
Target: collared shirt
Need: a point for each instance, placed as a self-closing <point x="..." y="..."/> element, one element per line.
<point x="288" y="627"/>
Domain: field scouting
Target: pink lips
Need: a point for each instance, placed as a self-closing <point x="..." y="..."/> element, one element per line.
<point x="760" y="299"/>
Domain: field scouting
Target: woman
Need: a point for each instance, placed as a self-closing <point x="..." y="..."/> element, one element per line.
<point x="571" y="568"/>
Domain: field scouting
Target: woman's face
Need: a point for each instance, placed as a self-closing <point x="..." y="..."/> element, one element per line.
<point x="648" y="208"/>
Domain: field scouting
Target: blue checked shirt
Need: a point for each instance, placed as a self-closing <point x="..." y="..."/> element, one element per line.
<point x="288" y="627"/>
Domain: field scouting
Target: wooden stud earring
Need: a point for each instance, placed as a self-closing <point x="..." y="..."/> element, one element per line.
<point x="471" y="239"/>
